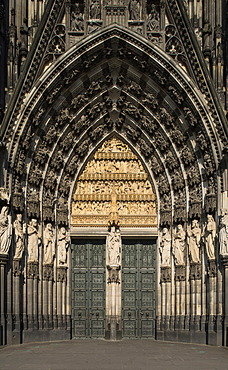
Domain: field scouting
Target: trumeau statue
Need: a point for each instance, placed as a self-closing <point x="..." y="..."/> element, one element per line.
<point x="63" y="244"/>
<point x="194" y="236"/>
<point x="5" y="231"/>
<point x="179" y="246"/>
<point x="113" y="245"/>
<point x="223" y="236"/>
<point x="33" y="241"/>
<point x="19" y="232"/>
<point x="165" y="247"/>
<point x="49" y="245"/>
<point x="209" y="235"/>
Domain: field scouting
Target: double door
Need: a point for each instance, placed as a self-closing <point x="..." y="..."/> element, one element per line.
<point x="137" y="288"/>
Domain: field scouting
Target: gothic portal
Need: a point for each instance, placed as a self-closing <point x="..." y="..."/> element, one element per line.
<point x="113" y="176"/>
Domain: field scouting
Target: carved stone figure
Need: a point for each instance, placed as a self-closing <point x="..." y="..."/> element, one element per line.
<point x="113" y="245"/>
<point x="209" y="234"/>
<point x="179" y="245"/>
<point x="63" y="244"/>
<point x="77" y="23"/>
<point x="49" y="245"/>
<point x="153" y="19"/>
<point x="165" y="247"/>
<point x="134" y="10"/>
<point x="33" y="241"/>
<point x="5" y="231"/>
<point x="223" y="236"/>
<point x="95" y="10"/>
<point x="194" y="236"/>
<point x="19" y="232"/>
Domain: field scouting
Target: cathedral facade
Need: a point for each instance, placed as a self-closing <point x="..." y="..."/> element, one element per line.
<point x="113" y="176"/>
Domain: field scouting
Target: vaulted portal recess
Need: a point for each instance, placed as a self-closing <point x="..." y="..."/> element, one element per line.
<point x="114" y="254"/>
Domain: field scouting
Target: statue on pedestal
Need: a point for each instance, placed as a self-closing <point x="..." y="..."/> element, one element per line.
<point x="34" y="241"/>
<point x="19" y="232"/>
<point x="63" y="244"/>
<point x="165" y="247"/>
<point x="223" y="236"/>
<point x="194" y="236"/>
<point x="209" y="235"/>
<point x="179" y="246"/>
<point x="5" y="231"/>
<point x="49" y="245"/>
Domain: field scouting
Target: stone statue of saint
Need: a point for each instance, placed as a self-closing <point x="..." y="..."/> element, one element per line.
<point x="33" y="241"/>
<point x="95" y="10"/>
<point x="179" y="246"/>
<point x="19" y="232"/>
<point x="153" y="19"/>
<point x="165" y="247"/>
<point x="5" y="231"/>
<point x="63" y="244"/>
<point x="113" y="245"/>
<point x="49" y="245"/>
<point x="194" y="236"/>
<point x="223" y="236"/>
<point x="209" y="234"/>
<point x="134" y="10"/>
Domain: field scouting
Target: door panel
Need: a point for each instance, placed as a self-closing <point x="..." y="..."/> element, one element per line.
<point x="88" y="298"/>
<point x="138" y="288"/>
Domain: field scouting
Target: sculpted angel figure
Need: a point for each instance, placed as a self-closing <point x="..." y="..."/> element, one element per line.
<point x="179" y="245"/>
<point x="34" y="241"/>
<point x="63" y="244"/>
<point x="194" y="236"/>
<point x="5" y="231"/>
<point x="19" y="232"/>
<point x="165" y="247"/>
<point x="49" y="245"/>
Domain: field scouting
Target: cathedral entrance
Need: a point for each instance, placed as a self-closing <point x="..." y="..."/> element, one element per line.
<point x="113" y="263"/>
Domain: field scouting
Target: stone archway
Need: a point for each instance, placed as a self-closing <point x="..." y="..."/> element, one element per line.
<point x="114" y="81"/>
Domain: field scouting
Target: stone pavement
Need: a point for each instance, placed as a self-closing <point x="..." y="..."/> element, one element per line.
<point x="105" y="355"/>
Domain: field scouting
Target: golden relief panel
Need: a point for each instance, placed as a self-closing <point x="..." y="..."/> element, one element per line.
<point x="114" y="186"/>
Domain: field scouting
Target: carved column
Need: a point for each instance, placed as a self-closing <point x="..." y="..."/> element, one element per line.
<point x="225" y="264"/>
<point x="61" y="295"/>
<point x="17" y="300"/>
<point x="180" y="278"/>
<point x="32" y="299"/>
<point x="195" y="281"/>
<point x="3" y="261"/>
<point x="212" y="274"/>
<point x="47" y="295"/>
<point x="166" y="296"/>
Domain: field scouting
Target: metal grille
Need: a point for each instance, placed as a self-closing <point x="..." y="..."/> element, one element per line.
<point x="138" y="288"/>
<point x="88" y="298"/>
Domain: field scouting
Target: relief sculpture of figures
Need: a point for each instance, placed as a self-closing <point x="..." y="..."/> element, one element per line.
<point x="223" y="236"/>
<point x="194" y="236"/>
<point x="209" y="235"/>
<point x="134" y="9"/>
<point x="113" y="245"/>
<point x="33" y="241"/>
<point x="179" y="246"/>
<point x="77" y="23"/>
<point x="165" y="247"/>
<point x="19" y="232"/>
<point x="63" y="244"/>
<point x="5" y="231"/>
<point x="49" y="245"/>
